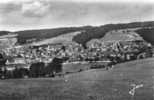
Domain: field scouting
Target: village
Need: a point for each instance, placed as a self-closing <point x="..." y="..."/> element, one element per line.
<point x="96" y="51"/>
<point x="115" y="47"/>
<point x="75" y="52"/>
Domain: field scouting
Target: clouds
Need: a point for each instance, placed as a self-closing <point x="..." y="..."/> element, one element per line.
<point x="25" y="14"/>
<point x="29" y="8"/>
<point x="35" y="9"/>
<point x="8" y="7"/>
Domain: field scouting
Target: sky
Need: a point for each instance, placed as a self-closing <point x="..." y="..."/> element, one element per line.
<point x="38" y="14"/>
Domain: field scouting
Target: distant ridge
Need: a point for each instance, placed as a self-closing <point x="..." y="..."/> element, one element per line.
<point x="4" y="33"/>
<point x="99" y="32"/>
<point x="89" y="32"/>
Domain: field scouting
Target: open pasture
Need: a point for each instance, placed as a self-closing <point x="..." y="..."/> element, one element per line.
<point x="127" y="81"/>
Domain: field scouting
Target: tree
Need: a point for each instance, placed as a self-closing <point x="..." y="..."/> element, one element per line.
<point x="37" y="69"/>
<point x="54" y="67"/>
<point x="20" y="72"/>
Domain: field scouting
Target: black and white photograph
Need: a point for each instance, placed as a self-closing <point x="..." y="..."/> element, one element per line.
<point x="76" y="50"/>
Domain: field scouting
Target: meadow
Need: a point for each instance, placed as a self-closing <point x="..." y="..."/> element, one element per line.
<point x="132" y="80"/>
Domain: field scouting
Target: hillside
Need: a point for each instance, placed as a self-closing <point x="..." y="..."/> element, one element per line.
<point x="88" y="32"/>
<point x="147" y="34"/>
<point x="126" y="81"/>
<point x="115" y="36"/>
<point x="64" y="38"/>
<point x="4" y="33"/>
<point x="7" y="40"/>
<point x="37" y="35"/>
<point x="99" y="32"/>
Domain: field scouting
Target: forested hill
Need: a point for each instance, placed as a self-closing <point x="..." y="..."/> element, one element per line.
<point x="42" y="34"/>
<point x="147" y="34"/>
<point x="90" y="32"/>
<point x="4" y="33"/>
<point x="99" y="32"/>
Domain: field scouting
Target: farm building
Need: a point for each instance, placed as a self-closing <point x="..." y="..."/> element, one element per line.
<point x="17" y="62"/>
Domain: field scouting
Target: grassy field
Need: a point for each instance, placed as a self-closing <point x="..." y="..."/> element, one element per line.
<point x="128" y="81"/>
<point x="66" y="38"/>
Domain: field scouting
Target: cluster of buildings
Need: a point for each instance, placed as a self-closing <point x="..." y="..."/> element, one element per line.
<point x="118" y="45"/>
<point x="45" y="53"/>
<point x="73" y="52"/>
<point x="20" y="60"/>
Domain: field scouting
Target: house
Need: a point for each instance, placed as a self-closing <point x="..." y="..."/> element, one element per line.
<point x="15" y="61"/>
<point x="18" y="62"/>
